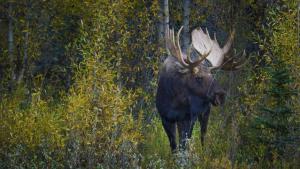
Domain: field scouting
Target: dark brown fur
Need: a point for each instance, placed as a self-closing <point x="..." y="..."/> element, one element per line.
<point x="182" y="98"/>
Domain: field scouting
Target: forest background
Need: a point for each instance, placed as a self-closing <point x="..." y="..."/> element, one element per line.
<point x="78" y="82"/>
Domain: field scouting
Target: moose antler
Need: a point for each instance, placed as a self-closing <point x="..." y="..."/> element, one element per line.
<point x="219" y="57"/>
<point x="173" y="45"/>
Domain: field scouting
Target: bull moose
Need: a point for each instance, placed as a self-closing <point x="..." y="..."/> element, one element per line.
<point x="186" y="86"/>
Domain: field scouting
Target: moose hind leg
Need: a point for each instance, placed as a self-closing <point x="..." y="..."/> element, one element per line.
<point x="171" y="132"/>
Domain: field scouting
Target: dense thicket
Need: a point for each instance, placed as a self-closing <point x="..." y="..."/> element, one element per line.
<point x="78" y="79"/>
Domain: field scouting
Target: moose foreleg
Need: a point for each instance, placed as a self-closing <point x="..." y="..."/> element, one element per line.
<point x="203" y="119"/>
<point x="171" y="133"/>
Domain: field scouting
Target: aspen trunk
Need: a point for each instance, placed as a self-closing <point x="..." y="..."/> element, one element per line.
<point x="25" y="57"/>
<point x="186" y="22"/>
<point x="0" y="31"/>
<point x="166" y="15"/>
<point x="161" y="23"/>
<point x="11" y="43"/>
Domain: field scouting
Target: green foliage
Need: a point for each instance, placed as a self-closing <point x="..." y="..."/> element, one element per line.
<point x="156" y="153"/>
<point x="271" y="136"/>
<point x="82" y="129"/>
<point x="87" y="96"/>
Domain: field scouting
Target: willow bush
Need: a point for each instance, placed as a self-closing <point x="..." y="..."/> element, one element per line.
<point x="88" y="92"/>
<point x="89" y="124"/>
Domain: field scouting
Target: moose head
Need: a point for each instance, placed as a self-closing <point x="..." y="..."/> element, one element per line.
<point x="187" y="87"/>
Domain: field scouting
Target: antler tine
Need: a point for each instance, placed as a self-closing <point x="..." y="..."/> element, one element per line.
<point x="180" y="56"/>
<point x="189" y="51"/>
<point x="207" y="33"/>
<point x="173" y="38"/>
<point x="169" y="42"/>
<point x="243" y="61"/>
<point x="167" y="36"/>
<point x="229" y="42"/>
<point x="175" y="48"/>
<point x="201" y="58"/>
<point x="215" y="37"/>
<point x="173" y="45"/>
<point x="219" y="57"/>
<point x="230" y="64"/>
<point x="205" y="55"/>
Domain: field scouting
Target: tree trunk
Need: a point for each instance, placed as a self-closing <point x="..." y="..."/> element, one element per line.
<point x="11" y="43"/>
<point x="0" y="31"/>
<point x="186" y="20"/>
<point x="166" y="16"/>
<point x="161" y="23"/>
<point x="25" y="58"/>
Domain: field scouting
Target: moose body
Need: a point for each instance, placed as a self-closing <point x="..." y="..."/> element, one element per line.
<point x="187" y="89"/>
<point x="181" y="100"/>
